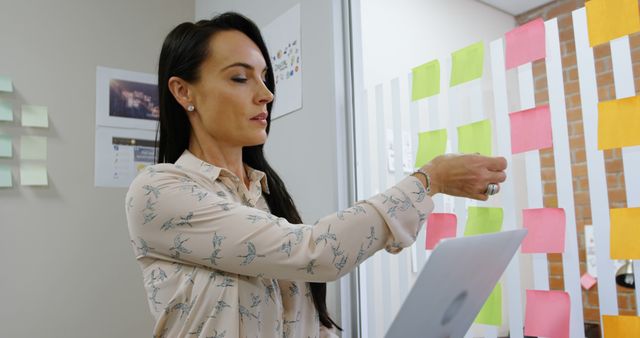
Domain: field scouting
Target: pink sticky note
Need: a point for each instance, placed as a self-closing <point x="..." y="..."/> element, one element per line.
<point x="440" y="226"/>
<point x="531" y="129"/>
<point x="546" y="230"/>
<point x="525" y="44"/>
<point x="547" y="314"/>
<point x="587" y="281"/>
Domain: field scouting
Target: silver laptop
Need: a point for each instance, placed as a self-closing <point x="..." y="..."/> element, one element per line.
<point x="454" y="284"/>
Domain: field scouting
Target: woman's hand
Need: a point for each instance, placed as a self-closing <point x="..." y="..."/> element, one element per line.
<point x="465" y="175"/>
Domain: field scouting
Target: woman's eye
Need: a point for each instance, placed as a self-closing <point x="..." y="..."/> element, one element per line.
<point x="239" y="79"/>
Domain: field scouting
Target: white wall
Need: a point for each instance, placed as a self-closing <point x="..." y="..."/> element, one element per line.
<point x="67" y="267"/>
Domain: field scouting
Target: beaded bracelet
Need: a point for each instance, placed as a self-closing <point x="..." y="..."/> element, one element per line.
<point x="426" y="176"/>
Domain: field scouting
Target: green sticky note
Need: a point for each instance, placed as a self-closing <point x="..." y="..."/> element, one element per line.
<point x="33" y="147"/>
<point x="6" y="85"/>
<point x="475" y="138"/>
<point x="483" y="220"/>
<point x="35" y="116"/>
<point x="33" y="174"/>
<point x="426" y="80"/>
<point x="467" y="64"/>
<point x="6" y="150"/>
<point x="491" y="312"/>
<point x="6" y="111"/>
<point x="5" y="177"/>
<point x="430" y="144"/>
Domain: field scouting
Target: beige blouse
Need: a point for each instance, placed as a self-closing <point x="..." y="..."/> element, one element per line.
<point x="216" y="263"/>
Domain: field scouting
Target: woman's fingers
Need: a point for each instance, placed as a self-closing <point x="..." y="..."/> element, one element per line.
<point x="496" y="163"/>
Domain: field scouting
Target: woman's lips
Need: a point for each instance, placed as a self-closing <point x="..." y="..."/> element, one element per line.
<point x="261" y="116"/>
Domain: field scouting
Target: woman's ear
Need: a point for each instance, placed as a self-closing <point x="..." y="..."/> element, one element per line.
<point x="181" y="91"/>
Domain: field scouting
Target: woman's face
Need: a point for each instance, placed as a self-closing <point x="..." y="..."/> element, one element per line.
<point x="231" y="96"/>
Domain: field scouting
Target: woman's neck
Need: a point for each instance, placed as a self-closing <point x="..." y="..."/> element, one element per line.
<point x="220" y="155"/>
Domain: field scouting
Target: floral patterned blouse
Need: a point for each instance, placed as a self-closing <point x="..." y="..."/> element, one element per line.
<point x="216" y="263"/>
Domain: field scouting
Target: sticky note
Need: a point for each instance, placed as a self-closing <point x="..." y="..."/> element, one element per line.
<point x="525" y="44"/>
<point x="483" y="220"/>
<point x="547" y="314"/>
<point x="621" y="326"/>
<point x="6" y="149"/>
<point x="467" y="64"/>
<point x="33" y="147"/>
<point x="33" y="174"/>
<point x="5" y="177"/>
<point x="440" y="226"/>
<point x="625" y="233"/>
<point x="6" y="85"/>
<point x="546" y="230"/>
<point x="35" y="116"/>
<point x="587" y="281"/>
<point x="491" y="312"/>
<point x="531" y="129"/>
<point x="475" y="138"/>
<point x="430" y="144"/>
<point x="610" y="19"/>
<point x="618" y="123"/>
<point x="426" y="80"/>
<point x="6" y="111"/>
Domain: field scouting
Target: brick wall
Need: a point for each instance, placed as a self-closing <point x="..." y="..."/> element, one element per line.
<point x="613" y="159"/>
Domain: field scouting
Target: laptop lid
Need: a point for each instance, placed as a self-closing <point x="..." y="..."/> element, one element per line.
<point x="454" y="284"/>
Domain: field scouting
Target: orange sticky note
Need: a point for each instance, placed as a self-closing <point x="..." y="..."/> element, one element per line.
<point x="625" y="233"/>
<point x="619" y="123"/>
<point x="611" y="19"/>
<point x="621" y="326"/>
<point x="546" y="230"/>
<point x="531" y="129"/>
<point x="440" y="226"/>
<point x="547" y="314"/>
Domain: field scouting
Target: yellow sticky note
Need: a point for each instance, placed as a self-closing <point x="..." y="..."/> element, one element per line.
<point x="621" y="326"/>
<point x="6" y="111"/>
<point x="6" y="149"/>
<point x="33" y="147"/>
<point x="426" y="80"/>
<point x="33" y="174"/>
<point x="6" y="85"/>
<point x="430" y="144"/>
<point x="35" y="116"/>
<point x="611" y="19"/>
<point x="625" y="233"/>
<point x="491" y="312"/>
<point x="483" y="220"/>
<point x="475" y="138"/>
<point x="5" y="177"/>
<point x="467" y="64"/>
<point x="619" y="123"/>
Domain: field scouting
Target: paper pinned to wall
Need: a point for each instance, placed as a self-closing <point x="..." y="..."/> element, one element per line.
<point x="6" y="111"/>
<point x="525" y="44"/>
<point x="618" y="123"/>
<point x="475" y="138"/>
<point x="430" y="144"/>
<point x="587" y="281"/>
<point x="531" y="129"/>
<point x="546" y="230"/>
<point x="5" y="177"/>
<point x="6" y="85"/>
<point x="625" y="233"/>
<point x="621" y="326"/>
<point x="6" y="148"/>
<point x="491" y="312"/>
<point x="467" y="64"/>
<point x="33" y="147"/>
<point x="611" y="19"/>
<point x="33" y="175"/>
<point x="35" y="116"/>
<point x="483" y="220"/>
<point x="440" y="226"/>
<point x="547" y="314"/>
<point x="426" y="80"/>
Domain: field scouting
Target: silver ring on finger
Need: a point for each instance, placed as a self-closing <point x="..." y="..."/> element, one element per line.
<point x="492" y="189"/>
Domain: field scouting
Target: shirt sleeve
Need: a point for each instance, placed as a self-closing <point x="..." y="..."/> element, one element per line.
<point x="185" y="223"/>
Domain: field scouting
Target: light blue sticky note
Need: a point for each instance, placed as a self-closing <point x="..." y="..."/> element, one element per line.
<point x="5" y="177"/>
<point x="6" y="85"/>
<point x="6" y="150"/>
<point x="33" y="174"/>
<point x="35" y="116"/>
<point x="33" y="147"/>
<point x="6" y="111"/>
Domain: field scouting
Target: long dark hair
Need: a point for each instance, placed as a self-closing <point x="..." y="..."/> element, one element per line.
<point x="183" y="52"/>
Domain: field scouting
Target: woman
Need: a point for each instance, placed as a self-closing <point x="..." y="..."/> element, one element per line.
<point x="223" y="250"/>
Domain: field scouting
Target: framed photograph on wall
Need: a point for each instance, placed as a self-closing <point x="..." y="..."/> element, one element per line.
<point x="126" y="99"/>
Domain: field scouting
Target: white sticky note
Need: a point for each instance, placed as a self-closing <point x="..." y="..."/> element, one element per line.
<point x="35" y="116"/>
<point x="6" y="111"/>
<point x="6" y="85"/>
<point x="6" y="146"/>
<point x="33" y="147"/>
<point x="5" y="177"/>
<point x="33" y="174"/>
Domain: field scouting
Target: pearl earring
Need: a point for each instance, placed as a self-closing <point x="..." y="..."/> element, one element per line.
<point x="191" y="108"/>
